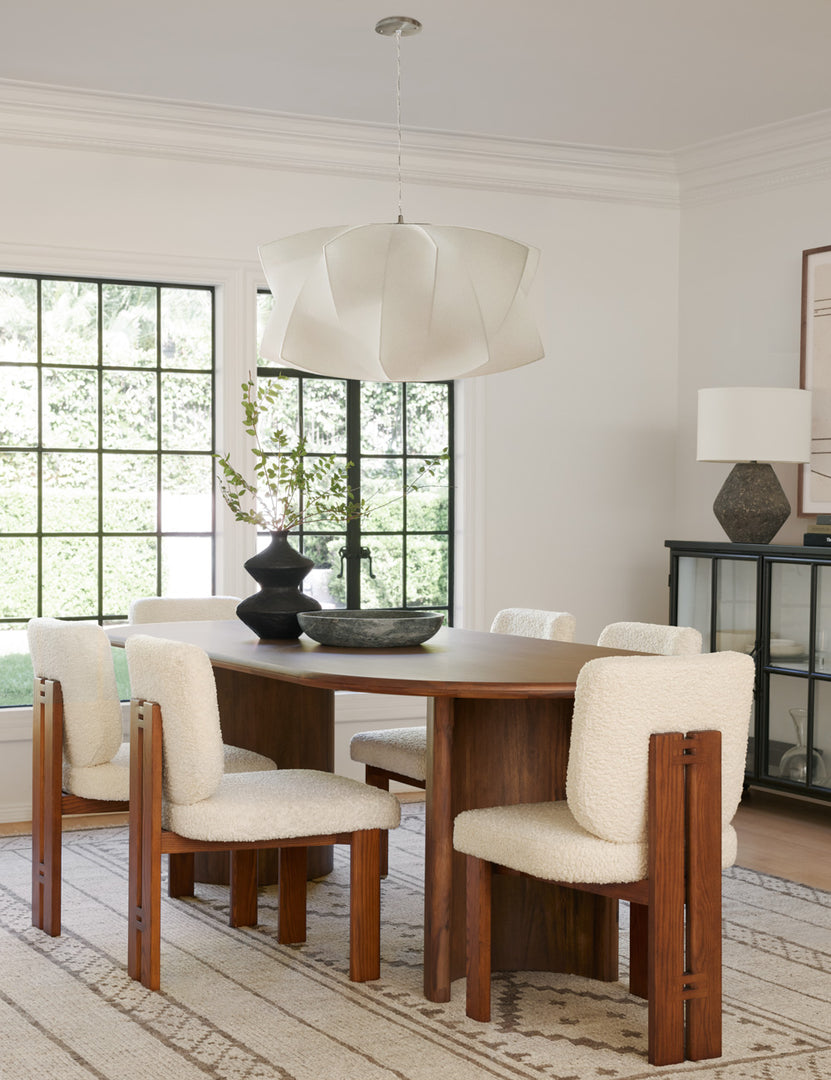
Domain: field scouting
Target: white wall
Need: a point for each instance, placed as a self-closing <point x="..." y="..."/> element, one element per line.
<point x="740" y="312"/>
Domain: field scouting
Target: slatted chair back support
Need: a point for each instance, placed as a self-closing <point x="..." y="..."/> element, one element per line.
<point x="651" y="638"/>
<point x="181" y="803"/>
<point x="157" y="609"/>
<point x="655" y="773"/>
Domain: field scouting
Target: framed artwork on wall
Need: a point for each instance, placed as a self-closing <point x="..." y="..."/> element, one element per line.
<point x="815" y="375"/>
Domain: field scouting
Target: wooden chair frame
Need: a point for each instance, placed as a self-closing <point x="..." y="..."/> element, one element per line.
<point x="50" y="805"/>
<point x="675" y="930"/>
<point x="380" y="778"/>
<point x="148" y="841"/>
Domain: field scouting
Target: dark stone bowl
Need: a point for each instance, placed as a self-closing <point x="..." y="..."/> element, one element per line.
<point x="381" y="628"/>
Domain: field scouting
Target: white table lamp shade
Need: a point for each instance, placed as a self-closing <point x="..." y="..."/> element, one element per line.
<point x="754" y="423"/>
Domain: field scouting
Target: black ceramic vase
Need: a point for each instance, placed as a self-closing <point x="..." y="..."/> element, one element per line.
<point x="279" y="570"/>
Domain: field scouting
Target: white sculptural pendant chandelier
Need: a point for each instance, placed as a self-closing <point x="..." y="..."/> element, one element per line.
<point x="400" y="302"/>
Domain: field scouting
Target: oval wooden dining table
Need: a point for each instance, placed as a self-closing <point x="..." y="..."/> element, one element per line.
<point x="498" y="727"/>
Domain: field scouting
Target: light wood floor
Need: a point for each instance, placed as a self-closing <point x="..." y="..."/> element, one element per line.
<point x="790" y="838"/>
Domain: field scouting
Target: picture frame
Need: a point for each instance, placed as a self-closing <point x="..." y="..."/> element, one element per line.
<point x="814" y="495"/>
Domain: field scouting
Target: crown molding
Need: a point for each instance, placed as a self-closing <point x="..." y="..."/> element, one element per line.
<point x="757" y="160"/>
<point x="34" y="114"/>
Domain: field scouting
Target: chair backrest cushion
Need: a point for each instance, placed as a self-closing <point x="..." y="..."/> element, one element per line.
<point x="620" y="701"/>
<point x="179" y="678"/>
<point x="152" y="609"/>
<point x="79" y="657"/>
<point x="651" y="638"/>
<point x="532" y="622"/>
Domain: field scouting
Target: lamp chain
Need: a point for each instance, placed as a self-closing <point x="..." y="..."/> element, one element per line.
<point x="398" y="121"/>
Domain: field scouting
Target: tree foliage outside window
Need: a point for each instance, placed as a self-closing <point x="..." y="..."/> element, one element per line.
<point x="106" y="441"/>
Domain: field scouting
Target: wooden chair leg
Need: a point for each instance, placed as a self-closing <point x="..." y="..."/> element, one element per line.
<point x="478" y="931"/>
<point x="243" y="887"/>
<point x="365" y="905"/>
<point x="666" y="962"/>
<point x="180" y="874"/>
<point x="291" y="896"/>
<point x="145" y="860"/>
<point x="638" y="946"/>
<point x="47" y="763"/>
<point x="378" y="778"/>
<point x="704" y="898"/>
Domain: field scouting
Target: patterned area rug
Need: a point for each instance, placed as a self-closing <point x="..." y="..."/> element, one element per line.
<point x="236" y="1005"/>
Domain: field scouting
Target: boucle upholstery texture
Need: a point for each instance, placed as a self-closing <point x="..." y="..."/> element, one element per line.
<point x="544" y="840"/>
<point x="282" y="804"/>
<point x="532" y="622"/>
<point x="151" y="609"/>
<point x="112" y="779"/>
<point x="398" y="750"/>
<point x="179" y="678"/>
<point x="619" y="702"/>
<point x="78" y="655"/>
<point x="651" y="638"/>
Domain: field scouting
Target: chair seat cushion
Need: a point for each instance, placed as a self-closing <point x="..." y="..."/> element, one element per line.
<point x="543" y="839"/>
<point x="111" y="781"/>
<point x="398" y="750"/>
<point x="282" y="804"/>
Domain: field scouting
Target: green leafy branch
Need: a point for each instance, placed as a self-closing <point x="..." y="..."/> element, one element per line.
<point x="289" y="488"/>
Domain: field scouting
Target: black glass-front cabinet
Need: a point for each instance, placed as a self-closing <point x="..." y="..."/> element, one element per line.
<point x="773" y="602"/>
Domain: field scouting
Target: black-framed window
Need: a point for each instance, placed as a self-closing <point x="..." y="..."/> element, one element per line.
<point x="401" y="555"/>
<point x="106" y="443"/>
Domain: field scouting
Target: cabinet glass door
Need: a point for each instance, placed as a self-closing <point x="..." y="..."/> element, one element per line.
<point x="790" y="615"/>
<point x="821" y="756"/>
<point x="785" y="755"/>
<point x="694" y="592"/>
<point x="736" y="581"/>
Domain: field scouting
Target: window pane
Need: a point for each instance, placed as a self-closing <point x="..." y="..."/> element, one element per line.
<point x="70" y="408"/>
<point x="323" y="582"/>
<point x="324" y="415"/>
<point x="129" y="325"/>
<point x="187" y="328"/>
<point x="70" y="493"/>
<point x="428" y="505"/>
<point x="19" y="595"/>
<point x="382" y="483"/>
<point x="187" y="501"/>
<point x="18" y="320"/>
<point x="70" y="576"/>
<point x="129" y="492"/>
<point x="186" y="566"/>
<point x="18" y="492"/>
<point x="427" y="571"/>
<point x="70" y="322"/>
<point x="265" y="302"/>
<point x="16" y="675"/>
<point x="382" y="426"/>
<point x="427" y="417"/>
<point x="186" y="412"/>
<point x="387" y="587"/>
<point x="129" y="409"/>
<point x="129" y="571"/>
<point x="19" y="423"/>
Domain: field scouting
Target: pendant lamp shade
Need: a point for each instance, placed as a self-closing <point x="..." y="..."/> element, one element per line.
<point x="400" y="302"/>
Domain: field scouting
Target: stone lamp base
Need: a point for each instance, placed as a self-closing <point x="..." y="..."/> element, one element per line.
<point x="751" y="506"/>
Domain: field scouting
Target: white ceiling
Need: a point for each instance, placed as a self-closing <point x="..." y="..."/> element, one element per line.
<point x="641" y="74"/>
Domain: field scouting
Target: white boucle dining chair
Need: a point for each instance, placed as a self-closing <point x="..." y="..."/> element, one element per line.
<point x="153" y="609"/>
<point x="651" y="638"/>
<point x="80" y="763"/>
<point x="181" y="801"/>
<point x="400" y="754"/>
<point x="655" y="772"/>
